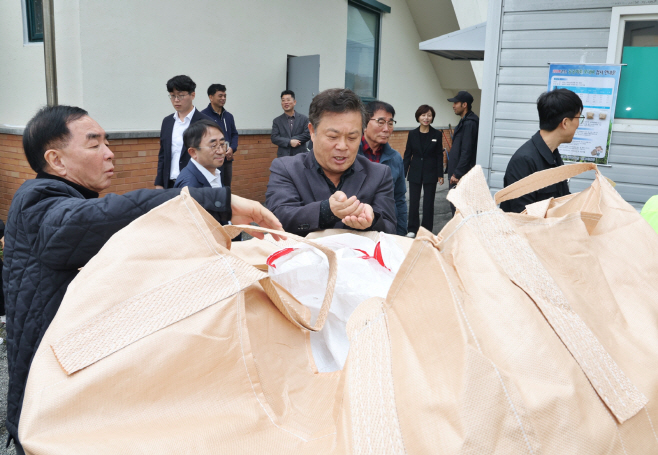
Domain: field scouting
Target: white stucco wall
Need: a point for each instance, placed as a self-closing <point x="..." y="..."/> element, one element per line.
<point x="470" y="13"/>
<point x="23" y="83"/>
<point x="407" y="78"/>
<point x="114" y="58"/>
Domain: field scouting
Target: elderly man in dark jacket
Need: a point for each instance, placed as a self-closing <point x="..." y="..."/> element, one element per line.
<point x="57" y="223"/>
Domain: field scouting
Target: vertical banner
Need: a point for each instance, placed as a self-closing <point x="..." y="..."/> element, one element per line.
<point x="597" y="86"/>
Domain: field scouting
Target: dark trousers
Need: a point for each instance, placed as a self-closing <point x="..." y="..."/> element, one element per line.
<point x="453" y="209"/>
<point x="227" y="171"/>
<point x="429" y="192"/>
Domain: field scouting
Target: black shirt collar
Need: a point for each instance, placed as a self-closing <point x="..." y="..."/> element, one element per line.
<point x="316" y="166"/>
<point x="553" y="158"/>
<point x="86" y="192"/>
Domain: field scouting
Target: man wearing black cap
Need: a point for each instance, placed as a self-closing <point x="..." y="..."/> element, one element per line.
<point x="461" y="157"/>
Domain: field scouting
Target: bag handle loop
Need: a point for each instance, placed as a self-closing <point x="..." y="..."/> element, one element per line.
<point x="542" y="179"/>
<point x="289" y="306"/>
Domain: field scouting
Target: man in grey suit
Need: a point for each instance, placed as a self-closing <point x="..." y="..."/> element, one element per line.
<point x="332" y="186"/>
<point x="290" y="129"/>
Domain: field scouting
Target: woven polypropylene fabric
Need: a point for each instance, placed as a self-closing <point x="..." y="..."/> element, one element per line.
<point x="523" y="267"/>
<point x="373" y="411"/>
<point x="153" y="310"/>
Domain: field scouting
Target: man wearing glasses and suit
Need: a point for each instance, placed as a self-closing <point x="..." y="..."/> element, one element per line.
<point x="559" y="117"/>
<point x="173" y="155"/>
<point x="207" y="149"/>
<point x="290" y="129"/>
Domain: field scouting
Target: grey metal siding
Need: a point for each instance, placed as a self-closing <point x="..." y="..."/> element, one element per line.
<point x="534" y="33"/>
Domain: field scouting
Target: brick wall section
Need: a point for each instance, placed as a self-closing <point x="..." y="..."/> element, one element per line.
<point x="14" y="170"/>
<point x="136" y="160"/>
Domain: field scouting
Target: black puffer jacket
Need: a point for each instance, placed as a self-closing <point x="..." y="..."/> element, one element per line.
<point x="54" y="227"/>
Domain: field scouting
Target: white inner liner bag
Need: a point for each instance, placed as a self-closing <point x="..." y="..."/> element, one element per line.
<point x="365" y="269"/>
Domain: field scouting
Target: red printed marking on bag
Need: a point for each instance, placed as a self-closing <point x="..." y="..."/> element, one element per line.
<point x="274" y="256"/>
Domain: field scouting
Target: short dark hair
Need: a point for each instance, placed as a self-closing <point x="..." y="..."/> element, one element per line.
<point x="374" y="106"/>
<point x="48" y="128"/>
<point x="214" y="88"/>
<point x="424" y="109"/>
<point x="288" y="92"/>
<point x="556" y="105"/>
<point x="195" y="132"/>
<point x="336" y="100"/>
<point x="181" y="83"/>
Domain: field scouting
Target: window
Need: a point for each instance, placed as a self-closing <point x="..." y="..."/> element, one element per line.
<point x="638" y="92"/>
<point x="34" y="19"/>
<point x="362" y="51"/>
<point x="634" y="42"/>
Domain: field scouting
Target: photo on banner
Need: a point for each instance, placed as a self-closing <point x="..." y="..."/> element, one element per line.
<point x="597" y="86"/>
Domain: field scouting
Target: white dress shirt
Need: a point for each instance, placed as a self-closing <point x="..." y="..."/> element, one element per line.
<point x="177" y="141"/>
<point x="214" y="180"/>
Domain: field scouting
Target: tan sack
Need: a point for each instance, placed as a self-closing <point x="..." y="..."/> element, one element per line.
<point x="507" y="334"/>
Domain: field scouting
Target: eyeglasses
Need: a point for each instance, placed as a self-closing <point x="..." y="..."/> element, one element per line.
<point x="581" y="119"/>
<point x="382" y="121"/>
<point x="216" y="146"/>
<point x="178" y="97"/>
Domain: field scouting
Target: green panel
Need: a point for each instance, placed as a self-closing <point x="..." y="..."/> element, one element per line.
<point x="374" y="5"/>
<point x="34" y="20"/>
<point x="637" y="86"/>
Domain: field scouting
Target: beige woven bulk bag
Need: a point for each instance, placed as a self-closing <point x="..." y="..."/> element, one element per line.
<point x="475" y="350"/>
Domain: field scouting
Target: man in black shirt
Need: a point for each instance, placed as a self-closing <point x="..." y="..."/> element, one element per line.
<point x="559" y="116"/>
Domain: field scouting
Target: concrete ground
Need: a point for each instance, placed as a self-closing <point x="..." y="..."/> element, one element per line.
<point x="3" y="395"/>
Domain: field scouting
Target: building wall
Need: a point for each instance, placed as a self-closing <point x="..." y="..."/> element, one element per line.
<point x="136" y="161"/>
<point x="115" y="64"/>
<point x="535" y="32"/>
<point x="23" y="86"/>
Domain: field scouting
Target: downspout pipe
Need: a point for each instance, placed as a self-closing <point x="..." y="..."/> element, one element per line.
<point x="49" y="52"/>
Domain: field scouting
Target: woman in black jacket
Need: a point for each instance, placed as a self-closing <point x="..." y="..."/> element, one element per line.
<point x="423" y="166"/>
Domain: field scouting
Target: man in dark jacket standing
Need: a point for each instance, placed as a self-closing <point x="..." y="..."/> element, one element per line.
<point x="559" y="117"/>
<point x="216" y="111"/>
<point x="290" y="129"/>
<point x="463" y="153"/>
<point x="57" y="223"/>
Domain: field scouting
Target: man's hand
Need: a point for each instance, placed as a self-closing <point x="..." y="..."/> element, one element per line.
<point x="294" y="142"/>
<point x="229" y="154"/>
<point x="341" y="206"/>
<point x="453" y="180"/>
<point x="363" y="220"/>
<point x="158" y="187"/>
<point x="440" y="180"/>
<point x="246" y="211"/>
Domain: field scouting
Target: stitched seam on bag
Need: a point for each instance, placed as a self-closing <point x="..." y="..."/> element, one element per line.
<point x="239" y="303"/>
<point x="395" y="408"/>
<point x="500" y="378"/>
<point x="515" y="256"/>
<point x="651" y="423"/>
<point x="148" y="312"/>
<point x="616" y="424"/>
<point x="409" y="269"/>
<point x="362" y="388"/>
<point x="210" y="245"/>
